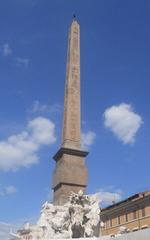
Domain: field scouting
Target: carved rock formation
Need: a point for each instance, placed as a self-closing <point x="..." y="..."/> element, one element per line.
<point x="78" y="218"/>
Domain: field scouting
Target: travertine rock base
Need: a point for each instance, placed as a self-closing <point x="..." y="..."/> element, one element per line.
<point x="80" y="217"/>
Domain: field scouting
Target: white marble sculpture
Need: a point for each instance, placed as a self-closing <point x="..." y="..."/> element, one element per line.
<point x="79" y="217"/>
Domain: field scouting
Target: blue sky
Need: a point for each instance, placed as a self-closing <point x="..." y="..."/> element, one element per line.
<point x="115" y="83"/>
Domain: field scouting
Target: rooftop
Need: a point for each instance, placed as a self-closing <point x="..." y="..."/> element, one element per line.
<point x="132" y="198"/>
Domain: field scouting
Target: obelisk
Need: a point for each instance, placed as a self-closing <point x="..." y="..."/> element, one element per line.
<point x="70" y="173"/>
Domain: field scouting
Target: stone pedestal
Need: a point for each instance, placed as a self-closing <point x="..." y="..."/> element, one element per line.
<point x="70" y="174"/>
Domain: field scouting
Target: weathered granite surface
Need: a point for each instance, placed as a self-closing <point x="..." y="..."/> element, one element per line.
<point x="70" y="173"/>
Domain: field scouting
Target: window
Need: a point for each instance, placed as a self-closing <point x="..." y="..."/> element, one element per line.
<point x="126" y="217"/>
<point x="118" y="220"/>
<point x="135" y="229"/>
<point x="144" y="227"/>
<point x="134" y="215"/>
<point x="143" y="212"/>
<point x="103" y="224"/>
<point x="107" y="224"/>
<point x="110" y="222"/>
<point x="112" y="235"/>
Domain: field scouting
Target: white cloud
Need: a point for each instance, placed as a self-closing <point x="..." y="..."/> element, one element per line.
<point x="21" y="150"/>
<point x="8" y="190"/>
<point x="6" y="50"/>
<point x="123" y="122"/>
<point x="87" y="139"/>
<point x="5" y="230"/>
<point x="39" y="108"/>
<point x="110" y="197"/>
<point x="23" y="61"/>
<point x="49" y="194"/>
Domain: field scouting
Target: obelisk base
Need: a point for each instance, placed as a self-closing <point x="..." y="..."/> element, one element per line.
<point x="70" y="174"/>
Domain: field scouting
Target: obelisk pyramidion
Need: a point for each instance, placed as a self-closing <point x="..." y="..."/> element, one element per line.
<point x="70" y="173"/>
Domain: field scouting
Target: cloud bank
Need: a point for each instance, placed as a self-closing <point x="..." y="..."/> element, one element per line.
<point x="6" y="50"/>
<point x="123" y="122"/>
<point x="22" y="61"/>
<point x="40" y="108"/>
<point x="109" y="197"/>
<point x="87" y="139"/>
<point x="5" y="230"/>
<point x="8" y="190"/>
<point x="21" y="150"/>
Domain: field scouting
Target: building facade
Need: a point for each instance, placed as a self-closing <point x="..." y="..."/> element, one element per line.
<point x="129" y="215"/>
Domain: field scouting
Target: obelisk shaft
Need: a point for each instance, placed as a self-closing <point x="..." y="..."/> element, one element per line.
<point x="71" y="123"/>
<point x="70" y="174"/>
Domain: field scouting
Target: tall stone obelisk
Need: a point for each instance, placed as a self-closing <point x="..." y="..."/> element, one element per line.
<point x="70" y="173"/>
